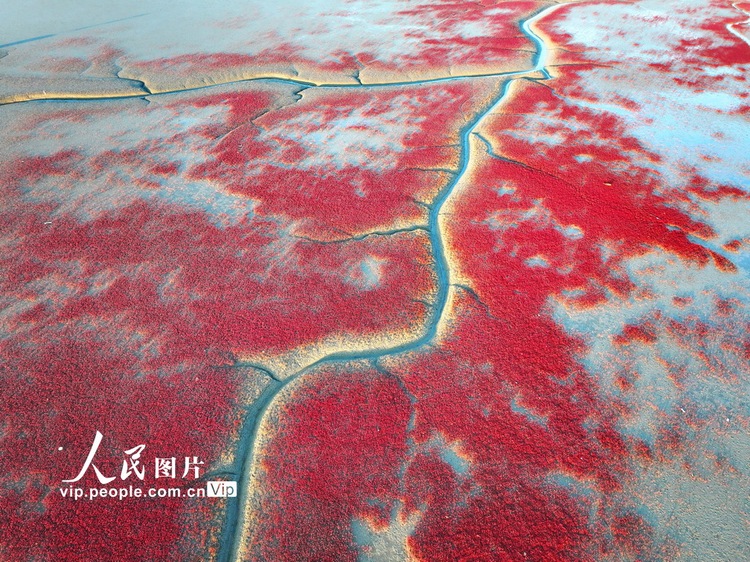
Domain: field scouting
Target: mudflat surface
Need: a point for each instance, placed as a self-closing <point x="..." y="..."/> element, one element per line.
<point x="375" y="281"/>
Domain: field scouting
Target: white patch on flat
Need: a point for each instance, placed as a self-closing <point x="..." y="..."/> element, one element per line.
<point x="386" y="544"/>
